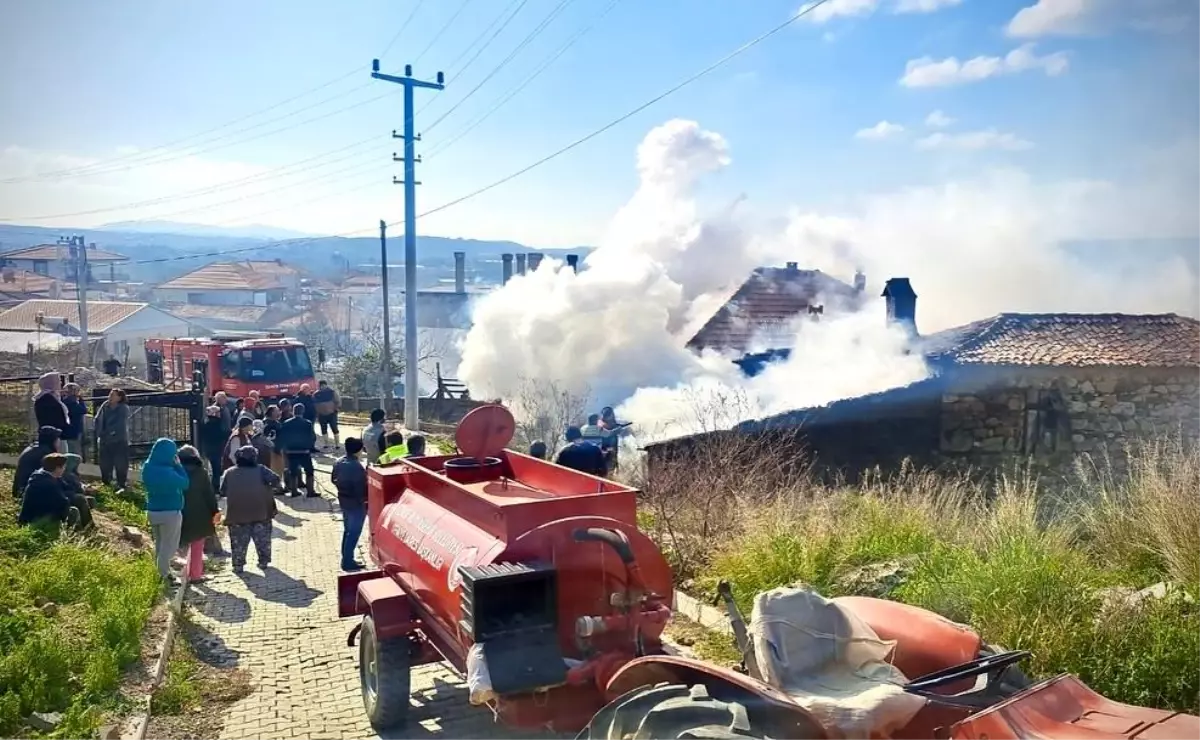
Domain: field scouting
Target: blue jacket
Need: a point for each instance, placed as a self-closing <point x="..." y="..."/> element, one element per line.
<point x="164" y="478"/>
<point x="78" y="410"/>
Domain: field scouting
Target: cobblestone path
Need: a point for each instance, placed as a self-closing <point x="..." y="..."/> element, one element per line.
<point x="282" y="627"/>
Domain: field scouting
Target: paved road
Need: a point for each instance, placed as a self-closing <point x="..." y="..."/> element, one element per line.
<point x="282" y="627"/>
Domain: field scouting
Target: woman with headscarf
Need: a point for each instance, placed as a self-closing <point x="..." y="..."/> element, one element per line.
<point x="250" y="490"/>
<point x="200" y="511"/>
<point x="48" y="406"/>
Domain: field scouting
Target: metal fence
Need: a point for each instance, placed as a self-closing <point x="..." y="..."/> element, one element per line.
<point x="152" y="414"/>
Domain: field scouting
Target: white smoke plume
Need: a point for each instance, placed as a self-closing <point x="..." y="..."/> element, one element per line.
<point x="618" y="328"/>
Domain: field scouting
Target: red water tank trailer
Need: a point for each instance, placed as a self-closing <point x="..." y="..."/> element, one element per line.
<point x="542" y="567"/>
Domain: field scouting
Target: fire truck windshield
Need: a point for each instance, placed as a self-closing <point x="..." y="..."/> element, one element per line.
<point x="267" y="364"/>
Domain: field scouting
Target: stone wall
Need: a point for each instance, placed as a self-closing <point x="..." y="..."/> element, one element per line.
<point x="1051" y="416"/>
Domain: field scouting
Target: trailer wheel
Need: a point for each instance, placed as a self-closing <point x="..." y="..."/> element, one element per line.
<point x="670" y="711"/>
<point x="384" y="668"/>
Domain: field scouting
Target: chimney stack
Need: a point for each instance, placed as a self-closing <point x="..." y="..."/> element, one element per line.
<point x="860" y="281"/>
<point x="535" y="259"/>
<point x="573" y="262"/>
<point x="521" y="264"/>
<point x="793" y="266"/>
<point x="460" y="272"/>
<point x="506" y="273"/>
<point x="901" y="303"/>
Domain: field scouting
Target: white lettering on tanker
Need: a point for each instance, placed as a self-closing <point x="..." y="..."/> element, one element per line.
<point x="426" y="540"/>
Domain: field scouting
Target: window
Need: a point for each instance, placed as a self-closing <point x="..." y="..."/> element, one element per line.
<point x="267" y="364"/>
<point x="231" y="364"/>
<point x="1047" y="424"/>
<point x="41" y="267"/>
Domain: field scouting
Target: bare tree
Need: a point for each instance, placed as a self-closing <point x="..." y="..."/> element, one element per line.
<point x="544" y="409"/>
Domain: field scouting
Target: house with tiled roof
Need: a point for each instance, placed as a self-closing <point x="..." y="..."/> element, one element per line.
<point x="119" y="327"/>
<point x="17" y="286"/>
<point x="53" y="261"/>
<point x="1039" y="389"/>
<point x="761" y="315"/>
<point x="244" y="283"/>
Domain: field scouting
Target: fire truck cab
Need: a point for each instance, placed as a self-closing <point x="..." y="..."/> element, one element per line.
<point x="237" y="363"/>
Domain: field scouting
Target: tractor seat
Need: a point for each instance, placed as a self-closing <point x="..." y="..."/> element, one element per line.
<point x="830" y="663"/>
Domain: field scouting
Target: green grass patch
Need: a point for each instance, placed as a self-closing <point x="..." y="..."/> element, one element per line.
<point x="1026" y="570"/>
<point x="71" y="617"/>
<point x="126" y="505"/>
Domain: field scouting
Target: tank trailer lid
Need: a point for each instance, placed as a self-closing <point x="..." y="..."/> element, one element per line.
<point x="485" y="431"/>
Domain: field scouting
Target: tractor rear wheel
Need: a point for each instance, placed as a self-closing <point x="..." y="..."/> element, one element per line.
<point x="670" y="711"/>
<point x="384" y="673"/>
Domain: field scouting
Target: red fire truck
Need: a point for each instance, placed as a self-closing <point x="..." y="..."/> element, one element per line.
<point x="237" y="363"/>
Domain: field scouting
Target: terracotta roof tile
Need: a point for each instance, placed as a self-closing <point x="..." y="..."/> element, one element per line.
<point x="102" y="315"/>
<point x="231" y="276"/>
<point x="55" y="251"/>
<point x="1077" y="340"/>
<point x="769" y="299"/>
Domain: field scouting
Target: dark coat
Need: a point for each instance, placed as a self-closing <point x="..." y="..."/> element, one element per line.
<point x="350" y="478"/>
<point x="310" y="405"/>
<point x="199" y="502"/>
<point x="213" y="437"/>
<point x="45" y="496"/>
<point x="78" y="411"/>
<point x="296" y="436"/>
<point x="50" y="413"/>
<point x="29" y="461"/>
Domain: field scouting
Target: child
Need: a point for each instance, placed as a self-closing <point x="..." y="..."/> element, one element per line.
<point x="249" y="489"/>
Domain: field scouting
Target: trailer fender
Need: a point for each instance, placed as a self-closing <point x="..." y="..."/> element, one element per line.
<point x="388" y="606"/>
<point x="768" y="707"/>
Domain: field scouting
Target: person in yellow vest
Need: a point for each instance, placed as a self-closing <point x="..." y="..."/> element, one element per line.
<point x="395" y="448"/>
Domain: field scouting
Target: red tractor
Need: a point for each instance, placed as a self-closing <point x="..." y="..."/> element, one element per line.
<point x="535" y="583"/>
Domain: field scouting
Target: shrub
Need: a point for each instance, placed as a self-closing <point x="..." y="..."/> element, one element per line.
<point x="13" y="438"/>
<point x="994" y="556"/>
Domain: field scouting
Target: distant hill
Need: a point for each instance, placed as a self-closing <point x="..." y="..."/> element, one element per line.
<point x="253" y="231"/>
<point x="176" y="253"/>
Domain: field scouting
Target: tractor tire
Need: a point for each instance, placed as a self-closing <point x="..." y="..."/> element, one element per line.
<point x="384" y="674"/>
<point x="669" y="711"/>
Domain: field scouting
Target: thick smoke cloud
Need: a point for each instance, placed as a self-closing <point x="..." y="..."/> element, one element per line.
<point x="619" y="327"/>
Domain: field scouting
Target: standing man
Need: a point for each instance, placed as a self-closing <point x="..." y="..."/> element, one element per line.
<point x="350" y="478"/>
<point x="305" y="397"/>
<point x="297" y="439"/>
<point x="582" y="455"/>
<point x="112" y="438"/>
<point x="327" y="402"/>
<point x="372" y="437"/>
<point x="72" y="436"/>
<point x="112" y="366"/>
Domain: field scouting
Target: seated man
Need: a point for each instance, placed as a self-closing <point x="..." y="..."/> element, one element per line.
<point x="31" y="458"/>
<point x="77" y="492"/>
<point x="45" y="495"/>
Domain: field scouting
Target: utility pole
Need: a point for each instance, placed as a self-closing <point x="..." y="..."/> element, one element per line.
<point x="386" y="368"/>
<point x="411" y="416"/>
<point x="78" y="261"/>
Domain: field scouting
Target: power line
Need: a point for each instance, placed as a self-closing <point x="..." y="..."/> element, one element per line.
<point x="462" y="6"/>
<point x="621" y="119"/>
<point x="491" y="38"/>
<point x="403" y="26"/>
<point x="134" y="155"/>
<point x="467" y="49"/>
<point x="218" y="187"/>
<point x="524" y="42"/>
<point x="499" y="103"/>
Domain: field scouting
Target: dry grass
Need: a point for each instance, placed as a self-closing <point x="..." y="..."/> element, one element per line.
<point x="1027" y="569"/>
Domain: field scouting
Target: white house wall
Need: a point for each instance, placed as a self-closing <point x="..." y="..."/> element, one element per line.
<point x="146" y="324"/>
<point x="212" y="297"/>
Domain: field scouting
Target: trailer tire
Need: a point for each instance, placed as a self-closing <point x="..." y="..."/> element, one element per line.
<point x="384" y="673"/>
<point x="670" y="711"/>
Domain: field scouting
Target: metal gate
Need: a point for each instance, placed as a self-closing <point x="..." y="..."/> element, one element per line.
<point x="152" y="414"/>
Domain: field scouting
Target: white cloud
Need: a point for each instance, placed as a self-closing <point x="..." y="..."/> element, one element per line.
<point x="924" y="6"/>
<point x="860" y="8"/>
<point x="938" y="119"/>
<point x="974" y="141"/>
<point x="1087" y="17"/>
<point x="839" y="9"/>
<point x="881" y="130"/>
<point x="928" y="72"/>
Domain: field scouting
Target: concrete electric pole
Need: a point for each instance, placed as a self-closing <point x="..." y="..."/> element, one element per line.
<point x="411" y="417"/>
<point x="389" y="384"/>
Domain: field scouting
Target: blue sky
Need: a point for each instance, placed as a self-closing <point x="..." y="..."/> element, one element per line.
<point x="1066" y="91"/>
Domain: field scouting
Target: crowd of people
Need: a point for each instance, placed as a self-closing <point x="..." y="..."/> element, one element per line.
<point x="591" y="448"/>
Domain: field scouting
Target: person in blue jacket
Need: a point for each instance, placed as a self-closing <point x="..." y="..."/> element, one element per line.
<point x="165" y="481"/>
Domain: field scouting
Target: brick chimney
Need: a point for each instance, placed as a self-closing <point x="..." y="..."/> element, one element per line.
<point x="901" y="303"/>
<point x="521" y="264"/>
<point x="506" y="271"/>
<point x="460" y="272"/>
<point x="535" y="259"/>
<point x="860" y="281"/>
<point x="573" y="262"/>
